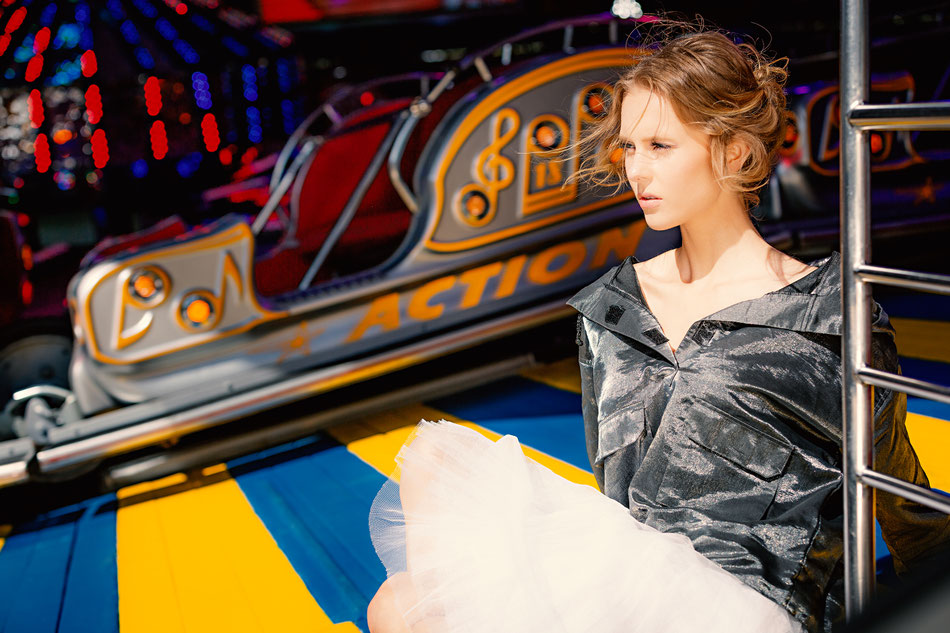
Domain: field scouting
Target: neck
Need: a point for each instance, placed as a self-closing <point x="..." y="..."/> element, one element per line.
<point x="719" y="244"/>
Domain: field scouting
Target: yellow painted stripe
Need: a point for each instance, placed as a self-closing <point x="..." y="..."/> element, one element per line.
<point x="564" y="374"/>
<point x="377" y="441"/>
<point x="4" y="530"/>
<point x="193" y="556"/>
<point x="931" y="440"/>
<point x="927" y="340"/>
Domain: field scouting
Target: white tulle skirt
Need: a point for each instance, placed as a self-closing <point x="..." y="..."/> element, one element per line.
<point x="486" y="540"/>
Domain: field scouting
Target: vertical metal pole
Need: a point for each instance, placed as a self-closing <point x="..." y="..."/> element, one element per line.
<point x="856" y="313"/>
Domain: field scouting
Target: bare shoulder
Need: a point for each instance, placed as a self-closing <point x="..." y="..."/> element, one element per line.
<point x="786" y="269"/>
<point x="658" y="268"/>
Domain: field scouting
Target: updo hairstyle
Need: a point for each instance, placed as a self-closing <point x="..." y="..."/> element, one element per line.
<point x="730" y="91"/>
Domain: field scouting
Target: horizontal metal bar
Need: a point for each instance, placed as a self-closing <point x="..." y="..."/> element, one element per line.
<point x="934" y="115"/>
<point x="14" y="473"/>
<point x="910" y="386"/>
<point x="158" y="430"/>
<point x="907" y="490"/>
<point x="172" y="461"/>
<point x="927" y="282"/>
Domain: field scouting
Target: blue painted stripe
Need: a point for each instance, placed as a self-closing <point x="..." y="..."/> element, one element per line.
<point x="540" y="416"/>
<point x="314" y="497"/>
<point x="91" y="600"/>
<point x="930" y="370"/>
<point x="58" y="572"/>
<point x="915" y="306"/>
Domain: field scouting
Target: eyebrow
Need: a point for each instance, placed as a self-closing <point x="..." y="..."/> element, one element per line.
<point x="655" y="139"/>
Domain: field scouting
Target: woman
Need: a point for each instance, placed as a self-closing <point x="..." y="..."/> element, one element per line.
<point x="712" y="406"/>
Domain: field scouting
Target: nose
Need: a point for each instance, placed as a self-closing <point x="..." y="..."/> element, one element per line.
<point x="635" y="168"/>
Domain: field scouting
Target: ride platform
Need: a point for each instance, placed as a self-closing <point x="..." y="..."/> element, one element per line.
<point x="278" y="540"/>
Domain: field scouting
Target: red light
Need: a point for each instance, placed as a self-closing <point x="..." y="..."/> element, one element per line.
<point x="34" y="106"/>
<point x="41" y="40"/>
<point x="15" y="20"/>
<point x="181" y="9"/>
<point x="93" y="104"/>
<point x="4" y="42"/>
<point x="88" y="64"/>
<point x="226" y="156"/>
<point x="159" y="140"/>
<point x="248" y="157"/>
<point x="18" y="183"/>
<point x="153" y="96"/>
<point x="26" y="291"/>
<point x="23" y="220"/>
<point x="100" y="149"/>
<point x="34" y="68"/>
<point x="209" y="130"/>
<point x="367" y="98"/>
<point x="41" y="153"/>
<point x="877" y="143"/>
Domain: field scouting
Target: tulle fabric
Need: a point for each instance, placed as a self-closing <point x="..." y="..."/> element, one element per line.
<point x="486" y="540"/>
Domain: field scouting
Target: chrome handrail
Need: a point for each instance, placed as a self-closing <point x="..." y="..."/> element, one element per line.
<point x="858" y="379"/>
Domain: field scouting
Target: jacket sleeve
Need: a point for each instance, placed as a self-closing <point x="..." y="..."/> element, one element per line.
<point x="913" y="532"/>
<point x="588" y="399"/>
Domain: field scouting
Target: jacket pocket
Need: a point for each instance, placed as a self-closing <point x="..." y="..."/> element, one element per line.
<point x="619" y="430"/>
<point x="725" y="468"/>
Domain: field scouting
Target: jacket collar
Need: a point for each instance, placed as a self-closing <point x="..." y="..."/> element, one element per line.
<point x="811" y="304"/>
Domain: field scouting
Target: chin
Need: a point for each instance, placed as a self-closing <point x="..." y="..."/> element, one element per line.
<point x="658" y="222"/>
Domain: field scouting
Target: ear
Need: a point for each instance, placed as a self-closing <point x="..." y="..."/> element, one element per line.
<point x="737" y="151"/>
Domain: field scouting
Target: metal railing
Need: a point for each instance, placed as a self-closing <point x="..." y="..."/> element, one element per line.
<point x="857" y="118"/>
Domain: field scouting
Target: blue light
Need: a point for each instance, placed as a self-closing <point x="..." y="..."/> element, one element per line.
<point x="203" y="24"/>
<point x="199" y="82"/>
<point x="129" y="33"/>
<point x="188" y="165"/>
<point x="67" y="36"/>
<point x="140" y="168"/>
<point x="249" y="76"/>
<point x="82" y="13"/>
<point x="25" y="51"/>
<point x="144" y="58"/>
<point x="289" y="115"/>
<point x="66" y="72"/>
<point x="10" y="73"/>
<point x="115" y="8"/>
<point x="166" y="29"/>
<point x="285" y="75"/>
<point x="254" y="132"/>
<point x="187" y="53"/>
<point x="235" y="47"/>
<point x="46" y="18"/>
<point x="145" y="8"/>
<point x="85" y="38"/>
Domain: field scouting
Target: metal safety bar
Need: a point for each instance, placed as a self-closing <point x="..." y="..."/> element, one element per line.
<point x="857" y="118"/>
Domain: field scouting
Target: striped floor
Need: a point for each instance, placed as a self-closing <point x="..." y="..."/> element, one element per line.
<point x="278" y="540"/>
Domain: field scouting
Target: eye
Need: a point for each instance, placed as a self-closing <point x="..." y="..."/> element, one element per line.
<point x="659" y="146"/>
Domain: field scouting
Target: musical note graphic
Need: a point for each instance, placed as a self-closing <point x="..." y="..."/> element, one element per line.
<point x="476" y="203"/>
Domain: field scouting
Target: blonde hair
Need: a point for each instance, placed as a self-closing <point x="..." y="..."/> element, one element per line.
<point x="730" y="91"/>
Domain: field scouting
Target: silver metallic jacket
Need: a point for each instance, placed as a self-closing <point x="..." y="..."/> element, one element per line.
<point x="735" y="441"/>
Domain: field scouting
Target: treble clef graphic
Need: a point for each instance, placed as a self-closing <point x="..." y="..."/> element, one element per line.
<point x="477" y="202"/>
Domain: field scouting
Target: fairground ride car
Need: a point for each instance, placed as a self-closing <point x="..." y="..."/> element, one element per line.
<point x="416" y="226"/>
<point x="408" y="219"/>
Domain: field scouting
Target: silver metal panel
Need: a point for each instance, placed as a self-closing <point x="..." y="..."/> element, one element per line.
<point x="14" y="473"/>
<point x="154" y="431"/>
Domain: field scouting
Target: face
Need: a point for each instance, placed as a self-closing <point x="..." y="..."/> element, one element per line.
<point x="667" y="162"/>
